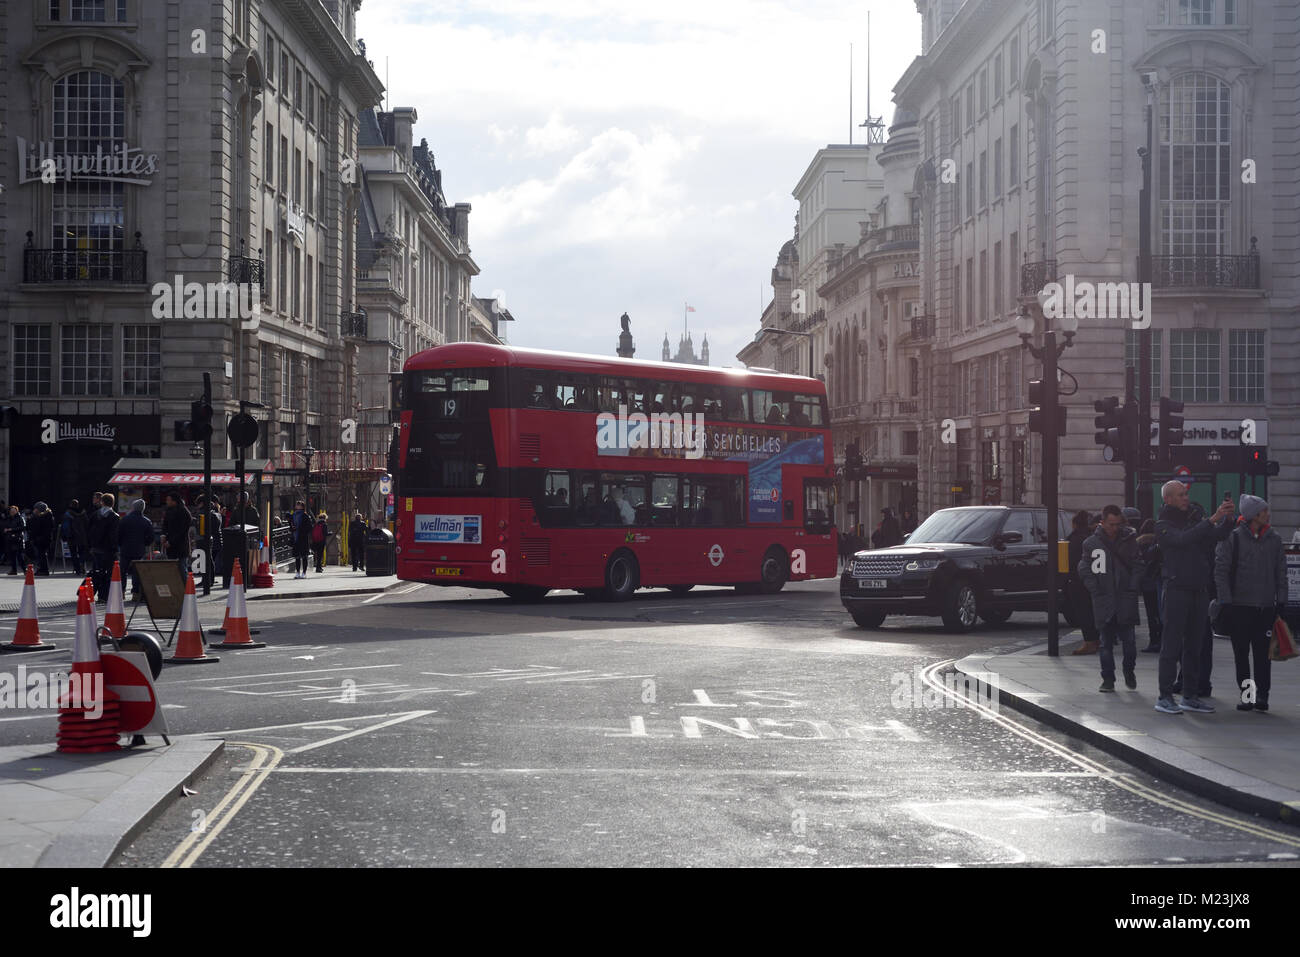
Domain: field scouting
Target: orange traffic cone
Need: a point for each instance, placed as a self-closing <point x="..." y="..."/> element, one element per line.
<point x="264" y="577"/>
<point x="89" y="713"/>
<point x="189" y="646"/>
<point x="27" y="634"/>
<point x="235" y="627"/>
<point x="115" y="616"/>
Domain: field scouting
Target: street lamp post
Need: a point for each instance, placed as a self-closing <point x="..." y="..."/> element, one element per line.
<point x="1143" y="463"/>
<point x="307" y="451"/>
<point x="1051" y="420"/>
<point x="812" y="374"/>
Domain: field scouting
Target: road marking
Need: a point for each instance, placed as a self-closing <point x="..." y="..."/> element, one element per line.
<point x="405" y="591"/>
<point x="279" y="674"/>
<point x="353" y="734"/>
<point x="248" y="783"/>
<point x="1104" y="772"/>
<point x="305" y="725"/>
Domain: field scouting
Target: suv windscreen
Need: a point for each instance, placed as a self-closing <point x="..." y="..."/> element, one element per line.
<point x="957" y="526"/>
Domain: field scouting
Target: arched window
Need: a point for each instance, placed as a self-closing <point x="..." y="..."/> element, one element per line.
<point x="86" y="215"/>
<point x="854" y="363"/>
<point x="1195" y="172"/>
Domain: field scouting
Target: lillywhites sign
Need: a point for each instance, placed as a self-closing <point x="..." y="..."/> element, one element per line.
<point x="466" y="529"/>
<point x="54" y="431"/>
<point x="116" y="164"/>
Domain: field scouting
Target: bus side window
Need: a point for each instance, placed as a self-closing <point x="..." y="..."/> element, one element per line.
<point x="588" y="499"/>
<point x="610" y="395"/>
<point x="735" y="404"/>
<point x="555" y="493"/>
<point x="663" y="500"/>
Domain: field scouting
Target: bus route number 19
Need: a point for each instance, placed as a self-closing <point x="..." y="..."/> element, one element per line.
<point x="450" y="408"/>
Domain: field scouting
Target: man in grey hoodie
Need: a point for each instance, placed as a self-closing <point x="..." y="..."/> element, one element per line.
<point x="1250" y="581"/>
<point x="1111" y="570"/>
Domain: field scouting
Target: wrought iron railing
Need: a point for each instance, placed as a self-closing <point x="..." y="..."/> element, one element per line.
<point x="921" y="328"/>
<point x="125" y="266"/>
<point x="1208" y="272"/>
<point x="1034" y="276"/>
<point x="354" y="325"/>
<point x="245" y="269"/>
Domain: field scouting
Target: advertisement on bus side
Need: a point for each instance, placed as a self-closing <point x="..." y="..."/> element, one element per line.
<point x="449" y="529"/>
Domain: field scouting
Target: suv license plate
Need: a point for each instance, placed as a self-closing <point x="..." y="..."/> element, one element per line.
<point x="872" y="583"/>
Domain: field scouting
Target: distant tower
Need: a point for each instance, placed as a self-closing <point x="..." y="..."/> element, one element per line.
<point x="626" y="349"/>
<point x="668" y="355"/>
<point x="704" y="350"/>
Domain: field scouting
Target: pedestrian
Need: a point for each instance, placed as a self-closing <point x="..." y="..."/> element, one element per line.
<point x="1080" y="599"/>
<point x="40" y="536"/>
<point x="320" y="536"/>
<point x="1152" y="586"/>
<point x="176" y="525"/>
<point x="207" y="520"/>
<point x="300" y="527"/>
<point x="908" y="523"/>
<point x="1132" y="517"/>
<point x="244" y="513"/>
<point x="1111" y="570"/>
<point x="74" y="529"/>
<point x="1182" y="539"/>
<point x="103" y="545"/>
<point x="134" y="538"/>
<point x="357" y="542"/>
<point x="1251" y="588"/>
<point x="15" y="533"/>
<point x="1207" y="552"/>
<point x="888" y="532"/>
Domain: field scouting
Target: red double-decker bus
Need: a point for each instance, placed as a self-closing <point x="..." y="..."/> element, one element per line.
<point x="526" y="470"/>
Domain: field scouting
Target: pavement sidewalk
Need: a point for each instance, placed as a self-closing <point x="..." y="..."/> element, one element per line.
<point x="58" y="591"/>
<point x="1243" y="759"/>
<point x="78" y="810"/>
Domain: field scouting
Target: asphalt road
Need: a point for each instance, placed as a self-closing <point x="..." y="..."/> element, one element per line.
<point x="450" y="727"/>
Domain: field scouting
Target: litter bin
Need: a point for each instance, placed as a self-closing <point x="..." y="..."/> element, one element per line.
<point x="234" y="544"/>
<point x="381" y="552"/>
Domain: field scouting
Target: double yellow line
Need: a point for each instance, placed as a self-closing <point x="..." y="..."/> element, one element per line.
<point x="1108" y="774"/>
<point x="265" y="759"/>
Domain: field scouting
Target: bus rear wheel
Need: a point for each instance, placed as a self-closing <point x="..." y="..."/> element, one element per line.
<point x="525" y="594"/>
<point x="622" y="577"/>
<point x="774" y="572"/>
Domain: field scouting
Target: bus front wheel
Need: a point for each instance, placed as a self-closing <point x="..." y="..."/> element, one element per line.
<point x="774" y="572"/>
<point x="622" y="576"/>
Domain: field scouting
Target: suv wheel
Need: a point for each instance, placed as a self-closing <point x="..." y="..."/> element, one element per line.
<point x="868" y="619"/>
<point x="959" y="607"/>
<point x="995" y="617"/>
<point x="622" y="577"/>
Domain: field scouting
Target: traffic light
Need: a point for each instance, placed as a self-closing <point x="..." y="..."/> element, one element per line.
<point x="1256" y="464"/>
<point x="852" y="460"/>
<point x="183" y="430"/>
<point x="1171" y="423"/>
<point x="1038" y="416"/>
<point x="201" y="419"/>
<point x="1110" y="425"/>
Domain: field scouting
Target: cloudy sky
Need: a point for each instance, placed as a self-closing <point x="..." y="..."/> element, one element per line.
<point x="632" y="156"/>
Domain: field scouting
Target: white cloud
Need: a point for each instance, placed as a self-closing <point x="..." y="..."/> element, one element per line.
<point x="554" y="136"/>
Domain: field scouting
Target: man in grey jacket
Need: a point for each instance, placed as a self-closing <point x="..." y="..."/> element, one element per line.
<point x="1250" y="580"/>
<point x="1186" y="577"/>
<point x="1110" y="569"/>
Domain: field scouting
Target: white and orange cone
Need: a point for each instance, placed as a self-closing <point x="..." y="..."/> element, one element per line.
<point x="189" y="646"/>
<point x="79" y="731"/>
<point x="264" y="577"/>
<point x="27" y="633"/>
<point x="115" y="616"/>
<point x="235" y="627"/>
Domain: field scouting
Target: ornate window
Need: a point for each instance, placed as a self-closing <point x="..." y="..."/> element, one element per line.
<point x="1195" y="166"/>
<point x="89" y="112"/>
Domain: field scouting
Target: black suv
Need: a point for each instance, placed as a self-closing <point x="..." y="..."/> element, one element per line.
<point x="986" y="561"/>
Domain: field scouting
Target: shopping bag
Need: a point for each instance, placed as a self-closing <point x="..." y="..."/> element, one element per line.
<point x="1282" y="648"/>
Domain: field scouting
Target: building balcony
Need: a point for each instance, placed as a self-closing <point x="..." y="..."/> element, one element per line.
<point x="125" y="267"/>
<point x="353" y="325"/>
<point x="1034" y="276"/>
<point x="243" y="269"/>
<point x="893" y="237"/>
<point x="851" y="412"/>
<point x="1207" y="272"/>
<point x="921" y="328"/>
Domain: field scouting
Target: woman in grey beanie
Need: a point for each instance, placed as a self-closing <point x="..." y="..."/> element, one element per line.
<point x="1250" y="581"/>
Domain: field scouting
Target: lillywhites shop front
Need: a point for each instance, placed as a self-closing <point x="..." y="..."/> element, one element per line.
<point x="54" y="458"/>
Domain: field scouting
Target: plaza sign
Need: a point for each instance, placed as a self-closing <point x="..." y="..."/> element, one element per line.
<point x="37" y="162"/>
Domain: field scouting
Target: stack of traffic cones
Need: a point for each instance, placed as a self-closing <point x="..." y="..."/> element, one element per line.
<point x="27" y="634"/>
<point x="78" y="732"/>
<point x="235" y="627"/>
<point x="115" y="616"/>
<point x="189" y="646"/>
<point x="264" y="577"/>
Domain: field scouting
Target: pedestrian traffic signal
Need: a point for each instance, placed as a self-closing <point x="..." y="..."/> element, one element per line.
<point x="1171" y="422"/>
<point x="1042" y="400"/>
<point x="201" y="419"/>
<point x="852" y="460"/>
<point x="1109" y="424"/>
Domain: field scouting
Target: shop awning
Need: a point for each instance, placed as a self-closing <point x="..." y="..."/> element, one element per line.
<point x="138" y="472"/>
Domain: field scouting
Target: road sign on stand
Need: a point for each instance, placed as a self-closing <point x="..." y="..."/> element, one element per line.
<point x="128" y="675"/>
<point x="386" y="486"/>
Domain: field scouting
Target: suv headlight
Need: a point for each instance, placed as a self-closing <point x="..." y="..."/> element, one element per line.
<point x="922" y="565"/>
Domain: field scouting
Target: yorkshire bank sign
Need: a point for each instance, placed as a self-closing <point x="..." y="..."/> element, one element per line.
<point x="38" y="162"/>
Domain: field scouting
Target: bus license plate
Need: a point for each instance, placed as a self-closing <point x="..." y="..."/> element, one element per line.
<point x="446" y="572"/>
<point x="872" y="583"/>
